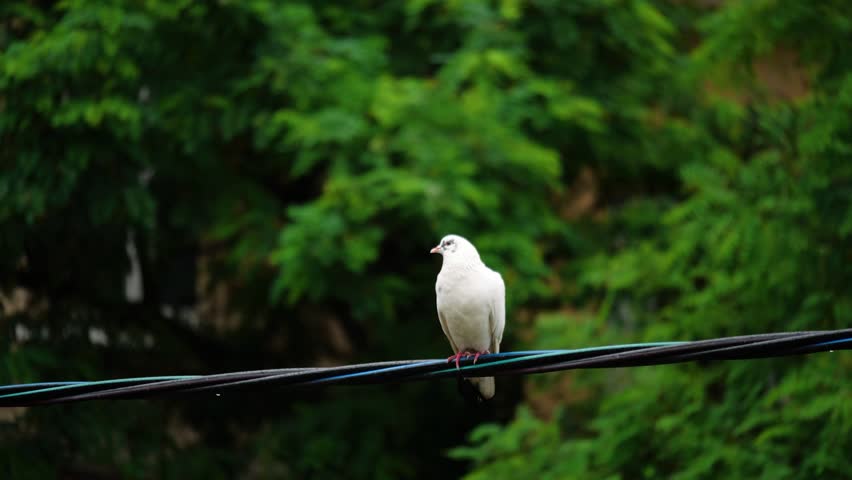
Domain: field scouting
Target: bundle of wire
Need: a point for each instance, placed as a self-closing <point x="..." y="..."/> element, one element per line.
<point x="509" y="363"/>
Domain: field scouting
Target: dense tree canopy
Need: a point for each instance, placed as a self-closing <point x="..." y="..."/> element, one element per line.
<point x="200" y="187"/>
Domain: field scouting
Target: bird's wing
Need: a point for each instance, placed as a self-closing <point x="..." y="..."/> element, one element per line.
<point x="497" y="318"/>
<point x="443" y="321"/>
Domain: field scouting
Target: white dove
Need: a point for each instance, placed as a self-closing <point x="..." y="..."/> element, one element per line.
<point x="471" y="305"/>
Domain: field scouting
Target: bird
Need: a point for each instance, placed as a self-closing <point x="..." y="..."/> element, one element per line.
<point x="471" y="301"/>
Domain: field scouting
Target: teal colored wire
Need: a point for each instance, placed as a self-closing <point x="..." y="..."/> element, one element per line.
<point x="536" y="361"/>
<point x="516" y="357"/>
<point x="96" y="383"/>
<point x="554" y="353"/>
<point x="526" y="356"/>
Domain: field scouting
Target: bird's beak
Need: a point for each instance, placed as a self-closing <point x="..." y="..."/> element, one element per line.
<point x="436" y="249"/>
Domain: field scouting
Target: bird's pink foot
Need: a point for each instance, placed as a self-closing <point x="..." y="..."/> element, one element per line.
<point x="476" y="356"/>
<point x="466" y="354"/>
<point x="457" y="357"/>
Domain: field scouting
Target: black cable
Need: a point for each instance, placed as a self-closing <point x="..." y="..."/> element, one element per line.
<point x="508" y="363"/>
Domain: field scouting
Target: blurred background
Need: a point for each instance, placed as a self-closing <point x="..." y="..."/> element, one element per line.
<point x="203" y="187"/>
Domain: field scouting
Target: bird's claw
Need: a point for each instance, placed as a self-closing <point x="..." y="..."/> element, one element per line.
<point x="476" y="357"/>
<point x="455" y="357"/>
<point x="466" y="354"/>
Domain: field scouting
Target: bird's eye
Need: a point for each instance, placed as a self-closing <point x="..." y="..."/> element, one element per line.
<point x="449" y="242"/>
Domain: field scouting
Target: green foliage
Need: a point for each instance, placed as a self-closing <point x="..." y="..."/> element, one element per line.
<point x="636" y="169"/>
<point x="753" y="239"/>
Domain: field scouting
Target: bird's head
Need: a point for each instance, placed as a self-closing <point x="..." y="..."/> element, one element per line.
<point x="455" y="246"/>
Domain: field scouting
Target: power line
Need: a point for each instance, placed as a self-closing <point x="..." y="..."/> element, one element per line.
<point x="501" y="364"/>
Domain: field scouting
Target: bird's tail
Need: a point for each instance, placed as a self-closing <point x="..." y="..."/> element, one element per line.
<point x="485" y="385"/>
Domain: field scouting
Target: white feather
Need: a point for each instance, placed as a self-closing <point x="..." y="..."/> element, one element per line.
<point x="471" y="300"/>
